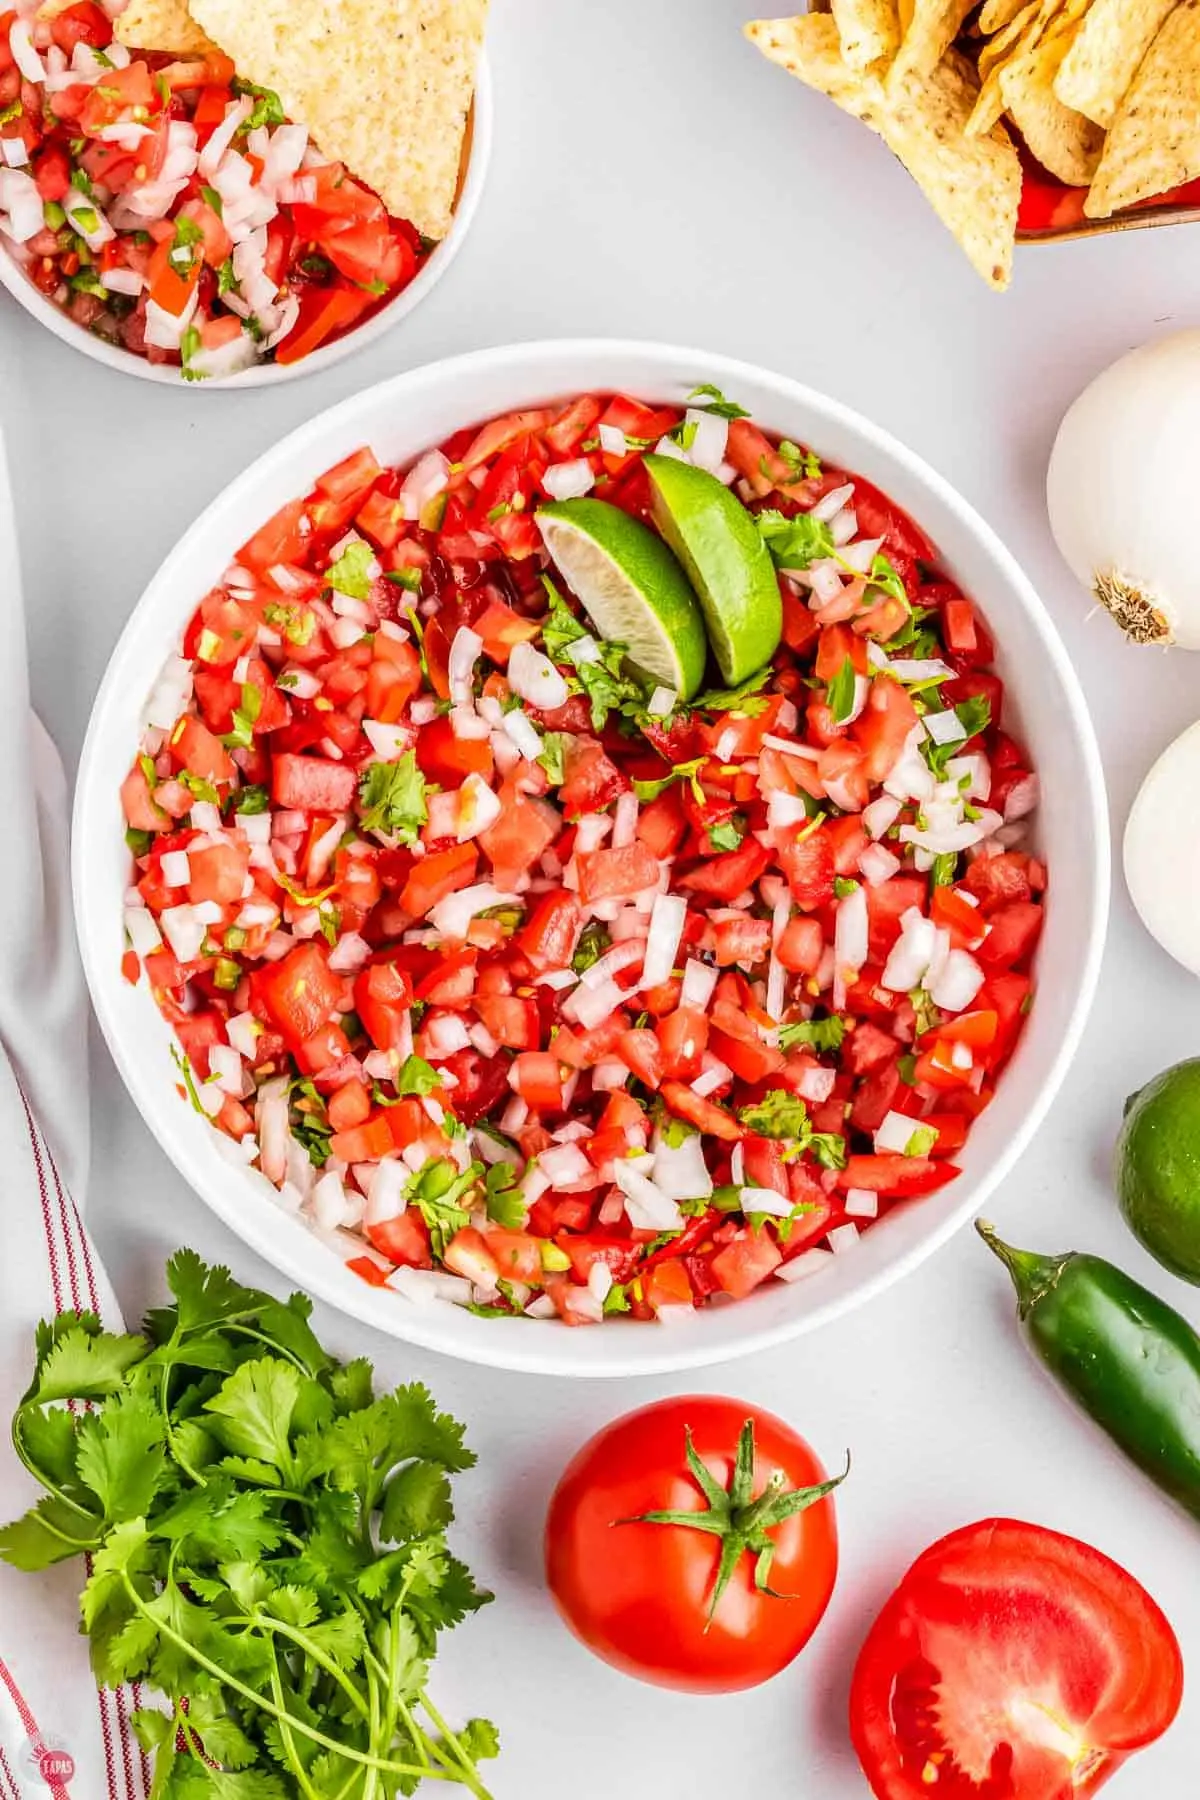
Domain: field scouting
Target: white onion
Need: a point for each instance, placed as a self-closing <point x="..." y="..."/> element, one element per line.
<point x="680" y="1171"/>
<point x="176" y="870"/>
<point x="535" y="679"/>
<point x="349" y="954"/>
<point x="851" y="931"/>
<point x="809" y="1262"/>
<point x="477" y="806"/>
<point x="272" y="1124"/>
<point x="426" y="1287"/>
<point x="184" y="930"/>
<point x="842" y="1238"/>
<point x="445" y="1034"/>
<point x="715" y="1076"/>
<point x="243" y="1032"/>
<point x="1122" y="522"/>
<point x="569" y="480"/>
<point x="877" y="865"/>
<point x="662" y="703"/>
<point x="860" y="556"/>
<point x="910" y="955"/>
<point x="564" y="1165"/>
<point x="945" y="727"/>
<point x="711" y="434"/>
<point x="625" y="818"/>
<point x="1022" y="799"/>
<point x="236" y="114"/>
<point x="590" y="1006"/>
<point x="20" y="43"/>
<point x="765" y="1200"/>
<point x="622" y="956"/>
<point x="948" y="840"/>
<point x="389" y="742"/>
<point x="521" y="731"/>
<point x="612" y="440"/>
<point x="832" y="503"/>
<point x="387" y="1194"/>
<point x="860" y="1203"/>
<point x="976" y="771"/>
<point x="141" y="930"/>
<point x="19" y="198"/>
<point x="428" y="477"/>
<point x="958" y="982"/>
<point x="600" y="1280"/>
<point x="667" y="921"/>
<point x="895" y="1133"/>
<point x="843" y="526"/>
<point x="699" y="981"/>
<point x="817" y="1084"/>
<point x="453" y="915"/>
<point x="647" y="1207"/>
<point x="465" y="652"/>
<point x="14" y="152"/>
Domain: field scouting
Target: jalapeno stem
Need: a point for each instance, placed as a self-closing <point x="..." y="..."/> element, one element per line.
<point x="1032" y="1276"/>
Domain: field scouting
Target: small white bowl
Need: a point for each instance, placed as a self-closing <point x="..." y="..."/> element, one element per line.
<point x="399" y="419"/>
<point x="479" y="154"/>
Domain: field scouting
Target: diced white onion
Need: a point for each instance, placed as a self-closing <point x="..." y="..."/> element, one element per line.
<point x="851" y="931"/>
<point x="958" y="982"/>
<point x="667" y="921"/>
<point x="895" y="1133"/>
<point x="453" y="915"/>
<point x="521" y="730"/>
<point x="809" y="1262"/>
<point x="861" y="1203"/>
<point x="699" y="981"/>
<point x="535" y="679"/>
<point x="141" y="929"/>
<point x="842" y="1238"/>
<point x="612" y="440"/>
<point x="881" y="814"/>
<point x="680" y="1171"/>
<point x="176" y="870"/>
<point x="945" y="727"/>
<point x="877" y="865"/>
<point x="711" y="434"/>
<point x="569" y="480"/>
<point x="832" y="503"/>
<point x="765" y="1200"/>
<point x="647" y="1207"/>
<point x="911" y="954"/>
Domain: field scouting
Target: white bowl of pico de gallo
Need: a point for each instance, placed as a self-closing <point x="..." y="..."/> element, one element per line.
<point x="168" y="220"/>
<point x="591" y="857"/>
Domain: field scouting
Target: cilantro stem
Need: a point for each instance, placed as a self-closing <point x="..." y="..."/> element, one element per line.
<point x="285" y="1732"/>
<point x="311" y="1651"/>
<point x="284" y="1717"/>
<point x="165" y="1410"/>
<point x="459" y="1754"/>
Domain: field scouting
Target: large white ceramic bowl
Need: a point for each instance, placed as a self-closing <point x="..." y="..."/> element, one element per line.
<point x="399" y="419"/>
<point x="477" y="157"/>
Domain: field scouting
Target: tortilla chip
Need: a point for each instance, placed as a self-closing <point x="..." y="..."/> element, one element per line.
<point x="164" y="25"/>
<point x="934" y="26"/>
<point x="1063" y="140"/>
<point x="384" y="86"/>
<point x="1104" y="58"/>
<point x="1154" y="143"/>
<point x="869" y="31"/>
<point x="996" y="14"/>
<point x="1014" y="40"/>
<point x="973" y="184"/>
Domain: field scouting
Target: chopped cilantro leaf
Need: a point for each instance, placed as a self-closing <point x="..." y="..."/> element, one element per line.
<point x="885" y="577"/>
<point x="552" y="756"/>
<point x="842" y="691"/>
<point x="392" y="798"/>
<point x="745" y="699"/>
<point x="707" y="398"/>
<point x="593" y="942"/>
<point x="417" y="1077"/>
<point x="728" y="835"/>
<point x="504" y="1200"/>
<point x="820" y="1035"/>
<point x="795" y="543"/>
<point x="351" y="573"/>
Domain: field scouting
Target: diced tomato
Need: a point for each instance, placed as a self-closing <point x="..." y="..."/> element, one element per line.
<point x="445" y="758"/>
<point x="574" y="423"/>
<point x="195" y="749"/>
<point x="964" y="922"/>
<point x="730" y="874"/>
<point x="746" y="1261"/>
<point x="886" y="906"/>
<point x="884" y="727"/>
<point x="682" y="1040"/>
<point x="218" y="873"/>
<point x="999" y="880"/>
<point x="404" y="1240"/>
<point x="808" y="864"/>
<point x="642" y="1056"/>
<point x="300" y="992"/>
<point x="551" y="931"/>
<point x="800" y="945"/>
<point x="537" y="1077"/>
<point x="662" y="826"/>
<point x="369" y="1142"/>
<point x="616" y="874"/>
<point x="382" y="997"/>
<point x="325" y="1049"/>
<point x="592" y="780"/>
<point x="351" y="1105"/>
<point x="437" y="876"/>
<point x="1012" y="933"/>
<point x="524" y="831"/>
<point x="667" y="1284"/>
<point x="312" y="784"/>
<point x="866" y="1048"/>
<point x="897" y="1176"/>
<point x="512" y="1021"/>
<point x="139" y="808"/>
<point x="701" y="1113"/>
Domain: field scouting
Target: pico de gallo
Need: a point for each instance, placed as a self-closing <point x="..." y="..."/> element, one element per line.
<point x="172" y="209"/>
<point x="528" y="986"/>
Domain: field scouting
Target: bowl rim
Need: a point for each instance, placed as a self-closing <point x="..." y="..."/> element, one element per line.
<point x="536" y="1352"/>
<point x="271" y="374"/>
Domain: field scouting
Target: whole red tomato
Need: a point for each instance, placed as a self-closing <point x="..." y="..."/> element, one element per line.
<point x="1011" y="1663"/>
<point x="692" y="1544"/>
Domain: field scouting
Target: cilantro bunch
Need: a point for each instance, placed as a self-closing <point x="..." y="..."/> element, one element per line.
<point x="267" y="1544"/>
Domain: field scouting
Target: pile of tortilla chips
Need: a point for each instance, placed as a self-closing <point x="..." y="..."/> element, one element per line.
<point x="1105" y="95"/>
<point x="384" y="86"/>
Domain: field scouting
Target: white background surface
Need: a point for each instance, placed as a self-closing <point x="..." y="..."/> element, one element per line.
<point x="654" y="177"/>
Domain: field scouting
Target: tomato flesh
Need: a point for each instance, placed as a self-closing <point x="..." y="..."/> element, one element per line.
<point x="1012" y="1663"/>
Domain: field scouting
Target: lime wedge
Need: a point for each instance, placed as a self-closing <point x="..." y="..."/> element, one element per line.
<point x="729" y="566"/>
<point x="631" y="588"/>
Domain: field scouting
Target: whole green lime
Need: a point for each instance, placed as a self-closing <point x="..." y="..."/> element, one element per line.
<point x="1157" y="1168"/>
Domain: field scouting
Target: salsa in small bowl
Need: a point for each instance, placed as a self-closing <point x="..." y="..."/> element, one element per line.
<point x="559" y="974"/>
<point x="168" y="219"/>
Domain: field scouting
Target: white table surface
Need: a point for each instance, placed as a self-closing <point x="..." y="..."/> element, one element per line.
<point x="654" y="177"/>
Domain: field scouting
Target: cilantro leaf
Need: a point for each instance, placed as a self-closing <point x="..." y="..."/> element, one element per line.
<point x="506" y="1205"/>
<point x="253" y="1410"/>
<point x="552" y="756"/>
<point x="778" y="1115"/>
<point x="841" y="692"/>
<point x="746" y="698"/>
<point x="820" y="1035"/>
<point x="795" y="543"/>
<point x="85" y="1365"/>
<point x="800" y="464"/>
<point x="392" y="798"/>
<point x="121" y="1457"/>
<point x="708" y="398"/>
<point x="350" y="574"/>
<point x="885" y="576"/>
<point x="729" y="835"/>
<point x="417" y="1077"/>
<point x="594" y="940"/>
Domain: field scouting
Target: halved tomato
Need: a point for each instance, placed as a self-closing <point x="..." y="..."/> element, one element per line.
<point x="1011" y="1663"/>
